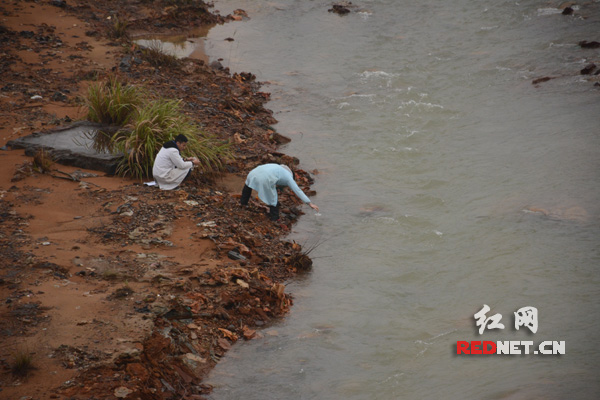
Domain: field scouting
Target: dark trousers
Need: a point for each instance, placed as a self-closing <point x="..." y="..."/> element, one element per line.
<point x="247" y="192"/>
<point x="187" y="176"/>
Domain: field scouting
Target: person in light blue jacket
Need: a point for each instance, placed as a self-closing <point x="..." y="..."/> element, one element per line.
<point x="265" y="179"/>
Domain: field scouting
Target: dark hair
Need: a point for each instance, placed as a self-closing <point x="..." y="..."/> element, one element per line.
<point x="181" y="138"/>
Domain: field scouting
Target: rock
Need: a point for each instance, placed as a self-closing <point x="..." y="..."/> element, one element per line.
<point x="540" y="80"/>
<point x="136" y="233"/>
<point x="216" y="65"/>
<point x="195" y="358"/>
<point x="208" y="224"/>
<point x="248" y="333"/>
<point x="128" y="356"/>
<point x="234" y="255"/>
<point x="589" y="45"/>
<point x="224" y="344"/>
<point x="567" y="11"/>
<point x="167" y="386"/>
<point x="59" y="3"/>
<point x="588" y="69"/>
<point x="181" y="313"/>
<point x="58" y="96"/>
<point x="125" y="63"/>
<point x="122" y="392"/>
<point x="339" y="9"/>
<point x="240" y="12"/>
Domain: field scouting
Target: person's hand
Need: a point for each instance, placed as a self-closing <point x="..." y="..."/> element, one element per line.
<point x="313" y="206"/>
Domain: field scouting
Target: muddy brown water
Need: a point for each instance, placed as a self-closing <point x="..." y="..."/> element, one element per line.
<point x="447" y="180"/>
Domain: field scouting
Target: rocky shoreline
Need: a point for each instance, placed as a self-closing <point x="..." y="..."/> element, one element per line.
<point x="110" y="288"/>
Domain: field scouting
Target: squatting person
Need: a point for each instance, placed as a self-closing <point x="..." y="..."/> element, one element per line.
<point x="265" y="179"/>
<point x="169" y="168"/>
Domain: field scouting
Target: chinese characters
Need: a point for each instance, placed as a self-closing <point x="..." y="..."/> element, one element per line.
<point x="524" y="316"/>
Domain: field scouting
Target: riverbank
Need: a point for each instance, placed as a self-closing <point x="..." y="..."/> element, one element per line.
<point x="112" y="289"/>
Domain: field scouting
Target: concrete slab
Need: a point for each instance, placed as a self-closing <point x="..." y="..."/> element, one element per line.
<point x="71" y="145"/>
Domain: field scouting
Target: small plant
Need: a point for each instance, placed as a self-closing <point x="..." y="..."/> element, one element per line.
<point x="118" y="28"/>
<point x="42" y="161"/>
<point x="22" y="364"/>
<point x="155" y="55"/>
<point x="110" y="275"/>
<point x="88" y="75"/>
<point x="112" y="102"/>
<point x="299" y="259"/>
<point x="123" y="292"/>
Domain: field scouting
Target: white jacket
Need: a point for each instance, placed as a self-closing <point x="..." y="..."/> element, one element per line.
<point x="169" y="169"/>
<point x="265" y="179"/>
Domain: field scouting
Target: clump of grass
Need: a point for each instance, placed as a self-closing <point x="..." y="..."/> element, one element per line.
<point x="155" y="124"/>
<point x="155" y="55"/>
<point x="42" y="161"/>
<point x="145" y="124"/>
<point x="118" y="29"/>
<point x="299" y="259"/>
<point x="110" y="275"/>
<point x="22" y="364"/>
<point x="111" y="102"/>
<point x="88" y="75"/>
<point x="123" y="292"/>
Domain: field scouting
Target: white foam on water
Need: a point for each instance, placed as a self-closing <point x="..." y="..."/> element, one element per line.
<point x="418" y="104"/>
<point x="548" y="11"/>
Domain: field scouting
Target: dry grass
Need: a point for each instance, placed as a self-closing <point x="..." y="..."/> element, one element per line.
<point x="22" y="363"/>
<point x="42" y="161"/>
<point x="118" y="28"/>
<point x="155" y="55"/>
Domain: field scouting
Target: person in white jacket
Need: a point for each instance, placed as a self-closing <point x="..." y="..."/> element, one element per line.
<point x="265" y="179"/>
<point x="170" y="169"/>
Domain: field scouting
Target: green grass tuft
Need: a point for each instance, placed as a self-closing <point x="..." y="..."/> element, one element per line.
<point x="111" y="102"/>
<point x="144" y="125"/>
<point x="157" y="123"/>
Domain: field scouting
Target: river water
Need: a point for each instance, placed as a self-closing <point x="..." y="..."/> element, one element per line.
<point x="446" y="181"/>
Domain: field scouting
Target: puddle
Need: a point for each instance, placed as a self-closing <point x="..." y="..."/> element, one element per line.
<point x="70" y="145"/>
<point x="179" y="46"/>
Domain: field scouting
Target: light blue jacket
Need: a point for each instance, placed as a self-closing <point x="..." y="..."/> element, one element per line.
<point x="265" y="178"/>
